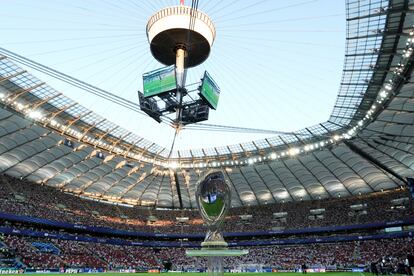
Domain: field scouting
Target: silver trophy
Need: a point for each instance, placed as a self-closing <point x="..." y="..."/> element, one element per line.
<point x="213" y="200"/>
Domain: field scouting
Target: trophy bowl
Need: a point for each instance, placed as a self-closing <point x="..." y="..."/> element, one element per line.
<point x="213" y="200"/>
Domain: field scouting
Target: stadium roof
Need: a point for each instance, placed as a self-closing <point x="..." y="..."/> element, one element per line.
<point x="365" y="146"/>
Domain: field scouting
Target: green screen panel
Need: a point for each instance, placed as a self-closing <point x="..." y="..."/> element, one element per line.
<point x="209" y="91"/>
<point x="159" y="81"/>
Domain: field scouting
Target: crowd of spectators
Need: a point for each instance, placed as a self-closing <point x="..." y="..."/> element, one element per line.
<point x="25" y="198"/>
<point x="322" y="255"/>
<point x="29" y="255"/>
<point x="75" y="254"/>
<point x="337" y="211"/>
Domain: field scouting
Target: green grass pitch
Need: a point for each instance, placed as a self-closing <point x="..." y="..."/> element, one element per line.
<point x="227" y="274"/>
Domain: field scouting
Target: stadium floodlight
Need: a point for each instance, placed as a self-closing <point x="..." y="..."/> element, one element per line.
<point x="173" y="165"/>
<point x="182" y="219"/>
<point x="294" y="151"/>
<point x="19" y="106"/>
<point x="35" y="114"/>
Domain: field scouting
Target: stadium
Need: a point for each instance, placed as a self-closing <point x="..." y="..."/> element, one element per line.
<point x="108" y="164"/>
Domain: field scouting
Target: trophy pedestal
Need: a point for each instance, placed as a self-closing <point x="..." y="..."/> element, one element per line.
<point x="215" y="252"/>
<point x="215" y="258"/>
